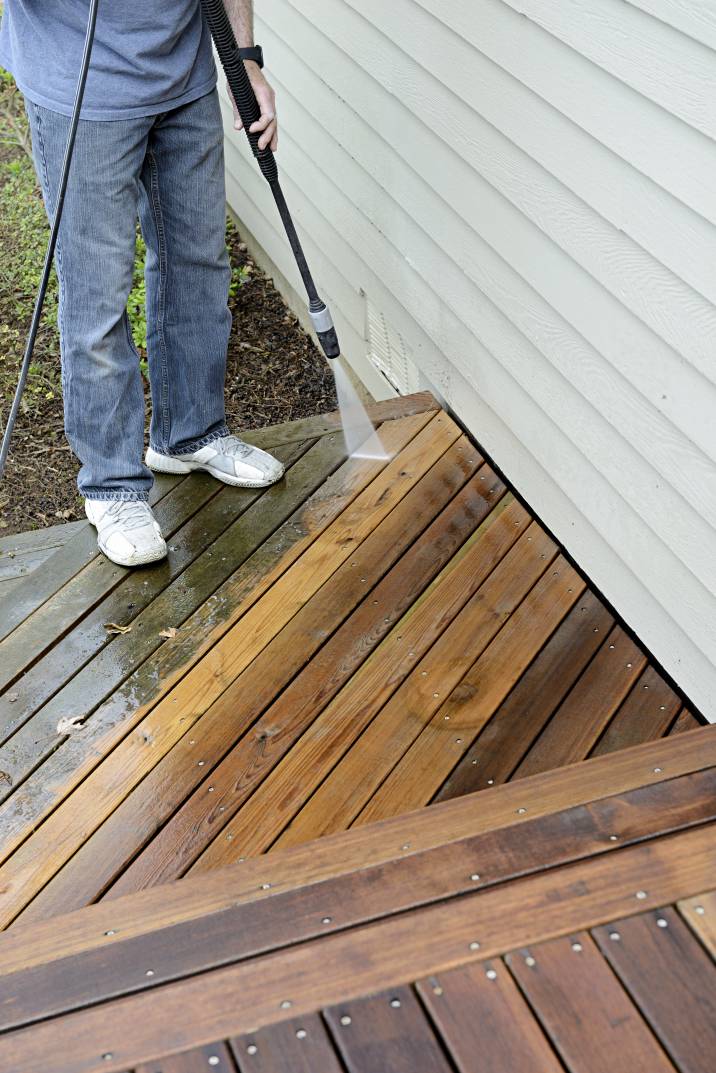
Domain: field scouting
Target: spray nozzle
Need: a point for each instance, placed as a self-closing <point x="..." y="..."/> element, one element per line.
<point x="324" y="329"/>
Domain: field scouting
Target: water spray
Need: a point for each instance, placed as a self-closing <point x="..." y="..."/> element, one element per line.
<point x="361" y="438"/>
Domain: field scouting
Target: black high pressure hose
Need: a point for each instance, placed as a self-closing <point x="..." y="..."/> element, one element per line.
<point x="47" y="267"/>
<point x="243" y="94"/>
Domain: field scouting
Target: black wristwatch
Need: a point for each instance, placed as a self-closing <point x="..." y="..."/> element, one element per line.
<point x="255" y="53"/>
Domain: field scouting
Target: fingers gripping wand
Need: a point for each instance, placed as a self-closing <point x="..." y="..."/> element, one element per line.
<point x="243" y="94"/>
<point x="361" y="438"/>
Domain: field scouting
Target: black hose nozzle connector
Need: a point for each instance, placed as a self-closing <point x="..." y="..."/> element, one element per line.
<point x="320" y="314"/>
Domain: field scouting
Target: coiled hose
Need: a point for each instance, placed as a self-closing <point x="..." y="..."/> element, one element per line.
<point x="248" y="107"/>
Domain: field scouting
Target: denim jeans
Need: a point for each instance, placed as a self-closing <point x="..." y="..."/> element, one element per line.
<point x="167" y="169"/>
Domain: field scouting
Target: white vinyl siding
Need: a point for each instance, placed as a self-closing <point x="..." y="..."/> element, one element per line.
<point x="523" y="194"/>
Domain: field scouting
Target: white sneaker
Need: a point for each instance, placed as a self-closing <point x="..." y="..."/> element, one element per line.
<point x="228" y="459"/>
<point x="127" y="531"/>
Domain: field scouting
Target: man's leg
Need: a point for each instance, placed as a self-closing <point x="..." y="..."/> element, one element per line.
<point x="101" y="379"/>
<point x="183" y="217"/>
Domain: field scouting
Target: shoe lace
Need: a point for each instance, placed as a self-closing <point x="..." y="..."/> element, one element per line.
<point x="132" y="513"/>
<point x="233" y="446"/>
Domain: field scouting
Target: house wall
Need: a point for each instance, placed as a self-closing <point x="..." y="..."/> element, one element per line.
<point x="514" y="203"/>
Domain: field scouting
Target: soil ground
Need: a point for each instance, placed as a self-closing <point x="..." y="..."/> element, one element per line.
<point x="275" y="372"/>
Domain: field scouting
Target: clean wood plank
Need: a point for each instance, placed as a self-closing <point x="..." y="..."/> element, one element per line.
<point x="17" y="564"/>
<point x="424" y="767"/>
<point x="592" y="1023"/>
<point x="62" y="566"/>
<point x="320" y="500"/>
<point x="646" y="714"/>
<point x="521" y="717"/>
<point x="297" y="981"/>
<point x="308" y="428"/>
<point x="417" y="444"/>
<point x="263" y="923"/>
<point x="286" y="789"/>
<point x="485" y="1023"/>
<point x="211" y="1058"/>
<point x="685" y="720"/>
<point x="215" y="582"/>
<point x="184" y="830"/>
<point x="671" y="979"/>
<point x="356" y="777"/>
<point x="700" y="913"/>
<point x="187" y="572"/>
<point x="359" y="848"/>
<point x="387" y="1031"/>
<point x="300" y="1046"/>
<point x="580" y="719"/>
<point x="243" y="770"/>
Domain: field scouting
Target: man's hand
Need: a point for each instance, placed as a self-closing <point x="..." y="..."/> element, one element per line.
<point x="266" y="97"/>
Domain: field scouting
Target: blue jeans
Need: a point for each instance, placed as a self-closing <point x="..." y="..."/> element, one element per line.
<point x="167" y="169"/>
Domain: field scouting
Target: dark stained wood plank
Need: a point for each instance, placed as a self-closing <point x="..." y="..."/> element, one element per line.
<point x="211" y="1058"/>
<point x="685" y="720"/>
<point x="385" y="1032"/>
<point x="40" y="857"/>
<point x="593" y="1025"/>
<point x="47" y="539"/>
<point x="299" y="1046"/>
<point x="425" y="765"/>
<point x="515" y="725"/>
<point x="308" y="428"/>
<point x="340" y="722"/>
<point x="340" y="968"/>
<point x="485" y="1023"/>
<point x="579" y="721"/>
<point x="61" y="567"/>
<point x="261" y="923"/>
<point x="81" y="594"/>
<point x="182" y="837"/>
<point x="358" y="774"/>
<point x="671" y="979"/>
<point x="196" y="565"/>
<point x="359" y="849"/>
<point x="700" y="915"/>
<point x="646" y="714"/>
<point x="120" y="675"/>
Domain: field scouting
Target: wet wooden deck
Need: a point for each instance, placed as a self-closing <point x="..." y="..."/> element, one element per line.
<point x="312" y="665"/>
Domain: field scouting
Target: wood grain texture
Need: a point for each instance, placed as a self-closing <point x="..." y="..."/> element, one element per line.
<point x="211" y="1058"/>
<point x="518" y="721"/>
<point x="672" y="980"/>
<point x="700" y="914"/>
<point x="353" y="781"/>
<point x="568" y="985"/>
<point x="360" y="848"/>
<point x="260" y="923"/>
<point x="646" y="714"/>
<point x="299" y="1046"/>
<point x="386" y="1031"/>
<point x="485" y="1023"/>
<point x="424" y="767"/>
<point x="297" y="981"/>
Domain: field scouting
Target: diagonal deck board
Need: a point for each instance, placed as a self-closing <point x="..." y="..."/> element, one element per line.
<point x="349" y="643"/>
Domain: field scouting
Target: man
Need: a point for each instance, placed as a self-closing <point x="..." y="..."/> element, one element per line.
<point x="149" y="143"/>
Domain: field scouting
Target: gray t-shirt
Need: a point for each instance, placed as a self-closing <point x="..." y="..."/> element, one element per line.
<point x="149" y="55"/>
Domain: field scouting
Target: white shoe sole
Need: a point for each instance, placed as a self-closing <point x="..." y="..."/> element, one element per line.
<point x="137" y="559"/>
<point x="169" y="464"/>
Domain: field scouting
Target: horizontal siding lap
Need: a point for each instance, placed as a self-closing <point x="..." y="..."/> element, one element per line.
<point x="563" y="317"/>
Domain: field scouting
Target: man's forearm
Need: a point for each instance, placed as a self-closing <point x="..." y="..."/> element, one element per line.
<point x="241" y="17"/>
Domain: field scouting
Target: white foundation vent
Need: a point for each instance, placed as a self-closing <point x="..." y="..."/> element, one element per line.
<point x="389" y="352"/>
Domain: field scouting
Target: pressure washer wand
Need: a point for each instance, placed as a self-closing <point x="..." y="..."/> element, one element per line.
<point x="245" y="98"/>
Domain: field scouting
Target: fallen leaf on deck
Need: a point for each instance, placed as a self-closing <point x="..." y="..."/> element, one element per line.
<point x="112" y="627"/>
<point x="69" y="723"/>
<point x="4" y="777"/>
<point x="170" y="631"/>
